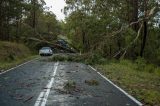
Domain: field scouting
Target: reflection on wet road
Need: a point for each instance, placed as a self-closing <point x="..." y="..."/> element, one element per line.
<point x="42" y="83"/>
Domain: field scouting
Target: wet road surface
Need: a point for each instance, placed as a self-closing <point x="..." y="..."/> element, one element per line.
<point x="42" y="83"/>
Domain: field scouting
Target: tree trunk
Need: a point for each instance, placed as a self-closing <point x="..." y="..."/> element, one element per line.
<point x="1" y="21"/>
<point x="17" y="29"/>
<point x="110" y="51"/>
<point x="133" y="14"/>
<point x="34" y="15"/>
<point x="145" y="29"/>
<point x="84" y="40"/>
<point x="7" y="30"/>
<point x="144" y="38"/>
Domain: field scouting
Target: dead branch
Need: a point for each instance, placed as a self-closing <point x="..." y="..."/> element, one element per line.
<point x="151" y="13"/>
<point x="138" y="34"/>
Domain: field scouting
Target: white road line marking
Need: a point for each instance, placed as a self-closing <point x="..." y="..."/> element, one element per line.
<point x="129" y="96"/>
<point x="17" y="66"/>
<point x="42" y="98"/>
<point x="39" y="99"/>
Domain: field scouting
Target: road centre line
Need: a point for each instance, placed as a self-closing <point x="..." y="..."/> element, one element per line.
<point x="129" y="96"/>
<point x="43" y="96"/>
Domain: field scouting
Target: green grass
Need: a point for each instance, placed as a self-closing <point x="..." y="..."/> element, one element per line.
<point x="141" y="81"/>
<point x="12" y="54"/>
<point x="6" y="65"/>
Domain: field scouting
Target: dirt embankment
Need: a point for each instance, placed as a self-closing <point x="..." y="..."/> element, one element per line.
<point x="12" y="51"/>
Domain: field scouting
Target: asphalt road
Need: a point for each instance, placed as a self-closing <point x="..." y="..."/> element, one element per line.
<point x="42" y="83"/>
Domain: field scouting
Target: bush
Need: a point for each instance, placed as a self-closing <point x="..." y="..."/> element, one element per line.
<point x="149" y="68"/>
<point x="140" y="63"/>
<point x="126" y="62"/>
<point x="11" y="51"/>
<point x="157" y="71"/>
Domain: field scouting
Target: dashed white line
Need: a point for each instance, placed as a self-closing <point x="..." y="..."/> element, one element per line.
<point x="39" y="99"/>
<point x="42" y="98"/>
<point x="129" y="96"/>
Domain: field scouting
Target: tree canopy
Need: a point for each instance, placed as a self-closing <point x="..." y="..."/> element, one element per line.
<point x="114" y="28"/>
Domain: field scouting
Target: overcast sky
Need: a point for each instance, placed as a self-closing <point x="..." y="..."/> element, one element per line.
<point x="56" y="5"/>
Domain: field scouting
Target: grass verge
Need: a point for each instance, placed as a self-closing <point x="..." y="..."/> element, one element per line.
<point x="12" y="54"/>
<point x="143" y="84"/>
<point x="7" y="65"/>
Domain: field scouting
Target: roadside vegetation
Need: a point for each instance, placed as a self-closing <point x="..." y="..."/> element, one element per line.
<point x="12" y="54"/>
<point x="30" y="25"/>
<point x="84" y="58"/>
<point x="121" y="38"/>
<point x="139" y="78"/>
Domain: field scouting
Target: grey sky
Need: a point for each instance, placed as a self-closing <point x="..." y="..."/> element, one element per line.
<point x="56" y="5"/>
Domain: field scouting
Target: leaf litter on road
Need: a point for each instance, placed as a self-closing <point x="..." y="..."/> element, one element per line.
<point x="92" y="82"/>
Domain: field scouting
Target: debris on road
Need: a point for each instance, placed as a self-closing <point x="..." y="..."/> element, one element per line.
<point x="28" y="99"/>
<point x="70" y="85"/>
<point x="92" y="82"/>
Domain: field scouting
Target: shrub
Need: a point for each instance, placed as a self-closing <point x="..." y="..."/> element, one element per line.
<point x="140" y="63"/>
<point x="149" y="68"/>
<point x="10" y="51"/>
<point x="157" y="71"/>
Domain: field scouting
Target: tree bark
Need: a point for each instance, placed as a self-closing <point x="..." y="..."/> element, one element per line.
<point x="144" y="38"/>
<point x="110" y="51"/>
<point x="145" y="29"/>
<point x="34" y="15"/>
<point x="1" y="21"/>
<point x="133" y="13"/>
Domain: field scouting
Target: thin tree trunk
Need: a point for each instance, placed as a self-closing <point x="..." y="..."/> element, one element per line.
<point x="144" y="38"/>
<point x="84" y="39"/>
<point x="133" y="13"/>
<point x="34" y="15"/>
<point x="17" y="29"/>
<point x="110" y="51"/>
<point x="8" y="30"/>
<point x="145" y="29"/>
<point x="0" y="20"/>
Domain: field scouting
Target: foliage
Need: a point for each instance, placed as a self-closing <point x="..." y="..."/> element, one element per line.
<point x="23" y="20"/>
<point x="142" y="84"/>
<point x="92" y="82"/>
<point x="111" y="27"/>
<point x="12" y="54"/>
<point x="85" y="58"/>
<point x="70" y="85"/>
<point x="11" y="51"/>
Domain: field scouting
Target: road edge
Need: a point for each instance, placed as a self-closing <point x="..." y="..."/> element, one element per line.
<point x="124" y="92"/>
<point x="18" y="66"/>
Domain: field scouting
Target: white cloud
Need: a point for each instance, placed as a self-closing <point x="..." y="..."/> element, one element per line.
<point x="56" y="5"/>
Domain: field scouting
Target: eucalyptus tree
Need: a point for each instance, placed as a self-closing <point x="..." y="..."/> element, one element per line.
<point x="10" y="11"/>
<point x="95" y="19"/>
<point x="111" y="26"/>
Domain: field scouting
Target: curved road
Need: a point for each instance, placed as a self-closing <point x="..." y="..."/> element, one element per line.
<point x="43" y="83"/>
